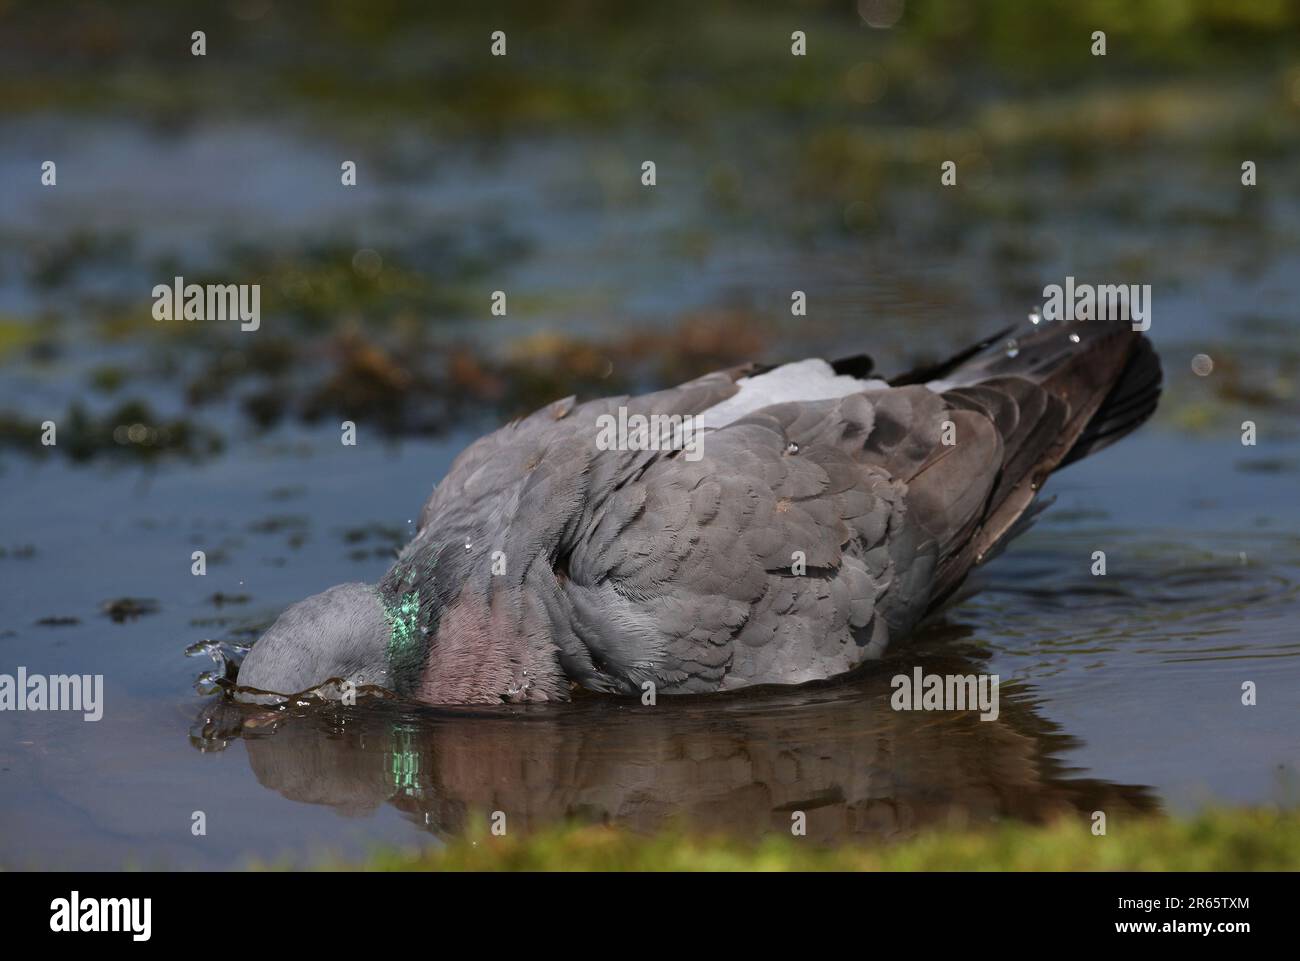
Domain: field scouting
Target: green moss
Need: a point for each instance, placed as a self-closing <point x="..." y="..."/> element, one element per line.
<point x="675" y="60"/>
<point x="15" y="334"/>
<point x="1216" y="840"/>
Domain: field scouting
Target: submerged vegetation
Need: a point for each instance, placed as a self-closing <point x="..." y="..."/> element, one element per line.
<point x="389" y="325"/>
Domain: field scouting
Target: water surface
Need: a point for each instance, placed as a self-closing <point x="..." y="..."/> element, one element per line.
<point x="1120" y="693"/>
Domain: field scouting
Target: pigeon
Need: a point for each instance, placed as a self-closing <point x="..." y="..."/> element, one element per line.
<point x="755" y="526"/>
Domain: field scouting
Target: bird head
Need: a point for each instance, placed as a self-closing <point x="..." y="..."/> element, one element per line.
<point x="343" y="632"/>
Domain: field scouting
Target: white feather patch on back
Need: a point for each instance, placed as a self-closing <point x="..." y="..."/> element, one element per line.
<point x="803" y="380"/>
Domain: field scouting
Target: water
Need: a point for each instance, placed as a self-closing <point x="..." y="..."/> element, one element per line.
<point x="1120" y="693"/>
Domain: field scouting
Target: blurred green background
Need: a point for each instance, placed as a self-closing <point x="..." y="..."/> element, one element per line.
<point x="520" y="173"/>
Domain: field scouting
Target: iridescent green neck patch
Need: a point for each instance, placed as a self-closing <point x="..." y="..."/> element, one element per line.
<point x="405" y="639"/>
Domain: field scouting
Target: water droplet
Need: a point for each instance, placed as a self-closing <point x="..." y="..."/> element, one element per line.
<point x="226" y="655"/>
<point x="201" y="647"/>
<point x="1013" y="348"/>
<point x="1035" y="317"/>
<point x="206" y="683"/>
<point x="1202" y="365"/>
<point x="792" y="448"/>
<point x="468" y="546"/>
<point x="1074" y="338"/>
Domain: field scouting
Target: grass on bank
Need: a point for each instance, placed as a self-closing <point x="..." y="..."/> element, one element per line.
<point x="1217" y="840"/>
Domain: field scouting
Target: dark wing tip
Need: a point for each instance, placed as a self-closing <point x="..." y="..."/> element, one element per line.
<point x="1127" y="406"/>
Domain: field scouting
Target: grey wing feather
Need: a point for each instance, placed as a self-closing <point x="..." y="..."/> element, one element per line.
<point x="758" y="563"/>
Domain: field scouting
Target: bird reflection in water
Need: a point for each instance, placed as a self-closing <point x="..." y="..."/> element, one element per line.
<point x="740" y="764"/>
